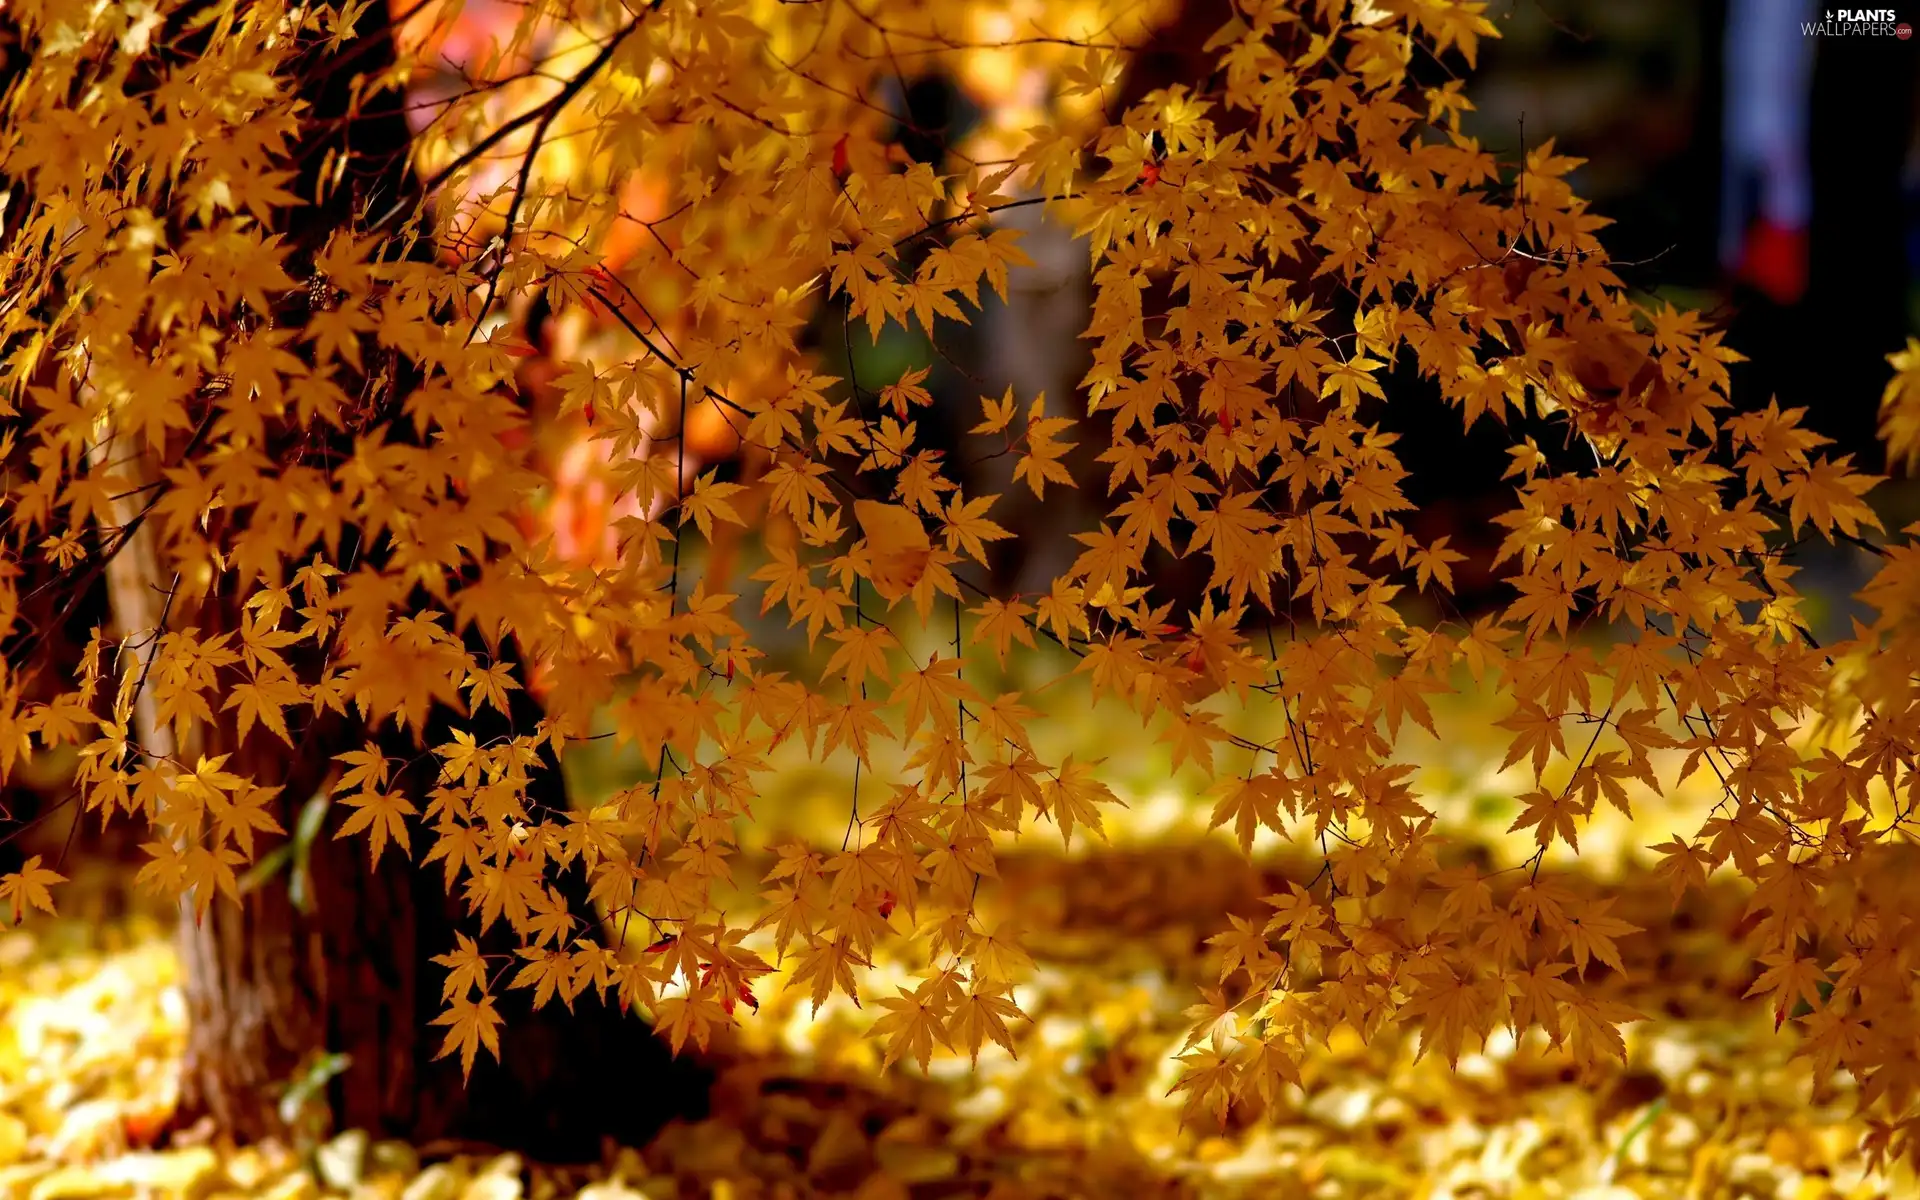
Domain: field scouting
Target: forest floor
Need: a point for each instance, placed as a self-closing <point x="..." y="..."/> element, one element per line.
<point x="1710" y="1103"/>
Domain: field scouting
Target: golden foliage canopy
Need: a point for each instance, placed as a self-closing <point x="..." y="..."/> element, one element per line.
<point x="308" y="449"/>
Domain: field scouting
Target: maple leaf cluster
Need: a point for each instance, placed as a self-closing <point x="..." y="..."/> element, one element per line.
<point x="315" y="474"/>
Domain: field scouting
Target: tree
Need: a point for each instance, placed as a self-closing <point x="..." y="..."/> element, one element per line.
<point x="296" y="415"/>
<point x="326" y="971"/>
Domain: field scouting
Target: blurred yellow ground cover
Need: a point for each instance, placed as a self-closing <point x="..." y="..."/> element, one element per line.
<point x="1707" y="1107"/>
<point x="1707" y="1104"/>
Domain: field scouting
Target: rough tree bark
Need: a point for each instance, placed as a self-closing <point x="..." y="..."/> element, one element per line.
<point x="271" y="983"/>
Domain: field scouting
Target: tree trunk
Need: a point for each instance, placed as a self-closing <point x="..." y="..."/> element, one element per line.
<point x="270" y="984"/>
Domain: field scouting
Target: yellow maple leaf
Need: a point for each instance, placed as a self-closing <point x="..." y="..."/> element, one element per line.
<point x="29" y="888"/>
<point x="898" y="549"/>
<point x="381" y="815"/>
<point x="471" y="1025"/>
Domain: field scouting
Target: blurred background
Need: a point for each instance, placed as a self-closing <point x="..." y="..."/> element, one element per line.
<point x="1757" y="172"/>
<point x="1763" y="174"/>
